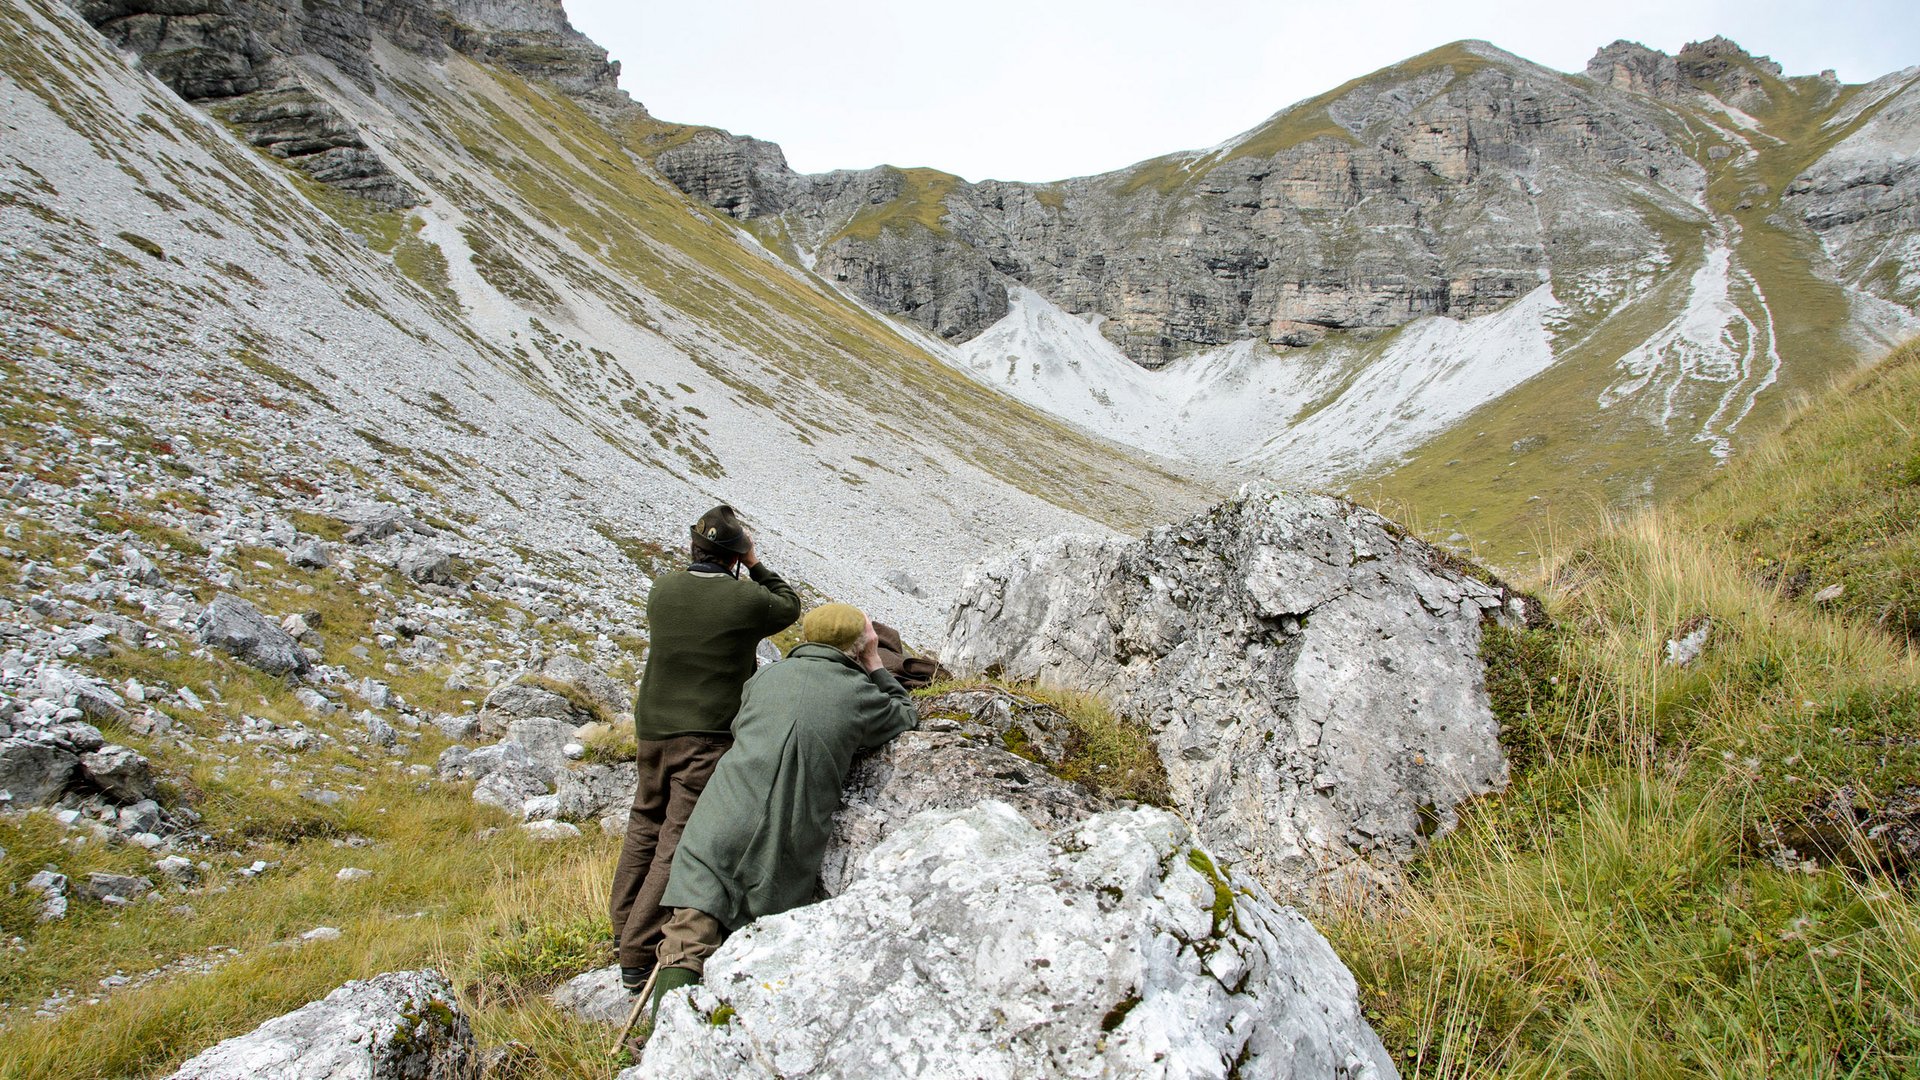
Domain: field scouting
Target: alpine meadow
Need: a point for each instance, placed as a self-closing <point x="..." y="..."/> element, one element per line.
<point x="1427" y="587"/>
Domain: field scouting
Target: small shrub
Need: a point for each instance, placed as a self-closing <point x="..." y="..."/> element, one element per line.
<point x="534" y="957"/>
<point x="1111" y="755"/>
<point x="144" y="244"/>
<point x="609" y="742"/>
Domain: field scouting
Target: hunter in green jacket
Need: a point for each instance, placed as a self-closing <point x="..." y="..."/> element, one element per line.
<point x="754" y="844"/>
<point x="705" y="622"/>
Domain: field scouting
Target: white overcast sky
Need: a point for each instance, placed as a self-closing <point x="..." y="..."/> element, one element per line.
<point x="1048" y="89"/>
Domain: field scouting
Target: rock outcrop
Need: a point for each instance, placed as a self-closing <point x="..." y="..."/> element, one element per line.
<point x="972" y="944"/>
<point x="404" y="1025"/>
<point x="958" y="758"/>
<point x="1311" y="675"/>
<point x="243" y="60"/>
<point x="1631" y="66"/>
<point x="534" y="771"/>
<point x="1862" y="197"/>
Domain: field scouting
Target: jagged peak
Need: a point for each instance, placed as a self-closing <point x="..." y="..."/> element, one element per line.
<point x="1721" y="49"/>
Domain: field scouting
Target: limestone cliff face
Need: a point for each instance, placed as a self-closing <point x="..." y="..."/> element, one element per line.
<point x="242" y="59"/>
<point x="1449" y="184"/>
<point x="1863" y="196"/>
<point x="1436" y="187"/>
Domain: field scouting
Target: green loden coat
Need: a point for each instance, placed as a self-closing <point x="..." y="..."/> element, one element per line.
<point x="754" y="843"/>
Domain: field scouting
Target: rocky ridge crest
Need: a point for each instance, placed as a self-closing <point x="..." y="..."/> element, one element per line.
<point x="1449" y="184"/>
<point x="248" y="61"/>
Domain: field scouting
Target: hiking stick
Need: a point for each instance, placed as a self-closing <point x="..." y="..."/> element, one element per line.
<point x="633" y="1017"/>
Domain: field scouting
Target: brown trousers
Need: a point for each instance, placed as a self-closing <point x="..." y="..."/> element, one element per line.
<point x="691" y="936"/>
<point x="673" y="772"/>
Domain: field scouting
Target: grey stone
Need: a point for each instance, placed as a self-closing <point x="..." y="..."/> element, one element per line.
<point x="92" y="642"/>
<point x="613" y="699"/>
<point x="457" y="728"/>
<point x="95" y="699"/>
<point x="403" y="1025"/>
<point x="142" y="817"/>
<point x="121" y="772"/>
<point x="178" y="869"/>
<point x="236" y="626"/>
<point x="379" y="732"/>
<point x="509" y="787"/>
<point x="378" y="521"/>
<point x="595" y="791"/>
<point x="140" y="568"/>
<point x="1632" y="67"/>
<point x="311" y="554"/>
<point x="545" y="739"/>
<point x="426" y="565"/>
<point x="971" y="944"/>
<point x="551" y="830"/>
<point x="1683" y="650"/>
<point x="596" y="996"/>
<point x="100" y="886"/>
<point x="521" y="700"/>
<point x="315" y="701"/>
<point x="943" y="770"/>
<point x="52" y="888"/>
<point x="35" y="770"/>
<point x="76" y="737"/>
<point x="904" y="582"/>
<point x="1310" y="675"/>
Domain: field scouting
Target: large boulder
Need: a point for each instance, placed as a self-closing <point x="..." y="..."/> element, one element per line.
<point x="425" y="564"/>
<point x="34" y="769"/>
<point x="236" y="626"/>
<point x="403" y="1025"/>
<point x="614" y="700"/>
<point x="973" y="945"/>
<point x="1311" y="675"/>
<point x="123" y="773"/>
<point x="956" y="760"/>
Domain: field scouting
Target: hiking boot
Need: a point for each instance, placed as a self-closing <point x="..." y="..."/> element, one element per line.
<point x="634" y="979"/>
<point x="669" y="979"/>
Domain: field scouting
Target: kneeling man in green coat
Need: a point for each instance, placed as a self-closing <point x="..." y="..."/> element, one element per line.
<point x="755" y="841"/>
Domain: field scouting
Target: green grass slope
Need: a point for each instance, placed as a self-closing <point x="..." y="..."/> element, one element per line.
<point x="1832" y="509"/>
<point x="1701" y="869"/>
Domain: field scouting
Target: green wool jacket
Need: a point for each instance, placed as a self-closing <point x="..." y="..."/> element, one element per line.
<point x="702" y="630"/>
<point x="754" y="843"/>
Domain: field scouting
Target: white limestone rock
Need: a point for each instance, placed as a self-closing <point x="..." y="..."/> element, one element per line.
<point x="972" y="945"/>
<point x="1310" y="674"/>
<point x="403" y="1025"/>
<point x="596" y="995"/>
<point x="952" y="764"/>
<point x="615" y="700"/>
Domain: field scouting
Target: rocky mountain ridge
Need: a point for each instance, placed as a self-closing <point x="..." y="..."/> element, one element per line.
<point x="1255" y="237"/>
<point x="242" y="61"/>
<point x="1628" y="263"/>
